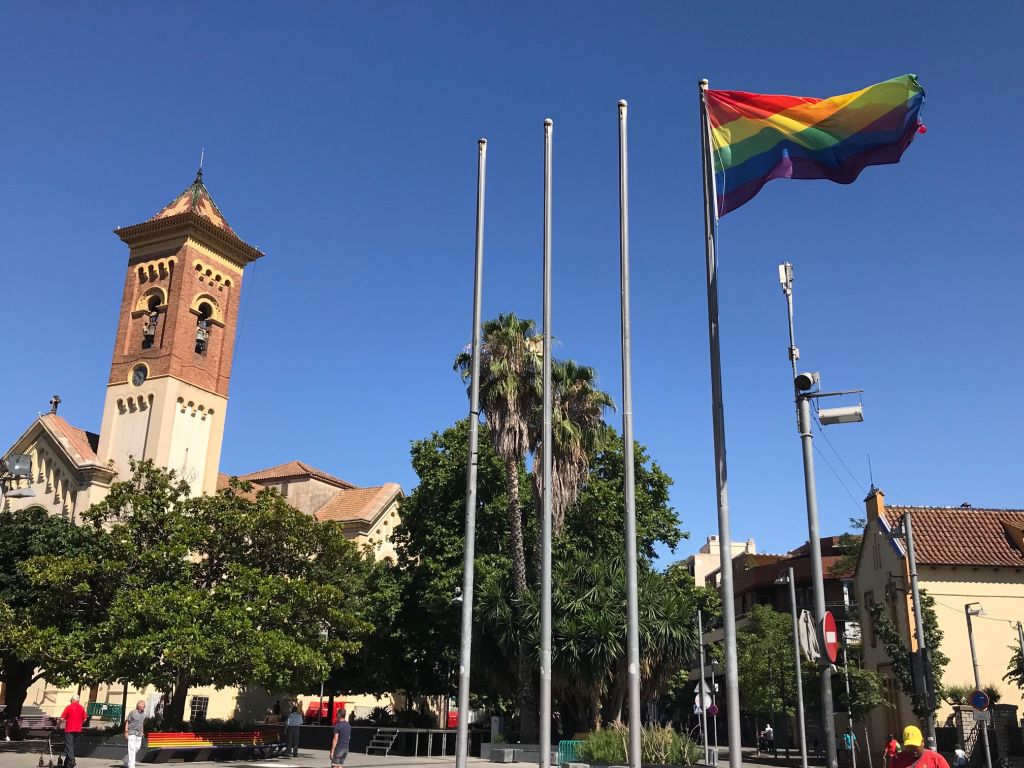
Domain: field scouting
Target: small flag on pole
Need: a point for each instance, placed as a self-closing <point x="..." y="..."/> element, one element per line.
<point x="758" y="137"/>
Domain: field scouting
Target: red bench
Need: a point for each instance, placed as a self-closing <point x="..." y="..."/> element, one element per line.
<point x="163" y="746"/>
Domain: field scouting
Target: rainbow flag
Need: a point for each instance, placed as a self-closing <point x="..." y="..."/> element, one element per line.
<point x="758" y="137"/>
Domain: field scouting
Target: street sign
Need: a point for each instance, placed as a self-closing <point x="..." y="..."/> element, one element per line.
<point x="697" y="701"/>
<point x="982" y="717"/>
<point x="713" y="710"/>
<point x="830" y="637"/>
<point x="980" y="701"/>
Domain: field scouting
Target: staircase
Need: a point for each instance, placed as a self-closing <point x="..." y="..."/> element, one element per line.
<point x="382" y="741"/>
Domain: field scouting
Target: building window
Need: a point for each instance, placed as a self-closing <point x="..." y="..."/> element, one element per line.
<point x="198" y="706"/>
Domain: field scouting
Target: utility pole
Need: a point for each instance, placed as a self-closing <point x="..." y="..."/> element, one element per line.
<point x="701" y="692"/>
<point x="849" y="708"/>
<point x="801" y="725"/>
<point x="803" y="401"/>
<point x="968" y="612"/>
<point x="922" y="644"/>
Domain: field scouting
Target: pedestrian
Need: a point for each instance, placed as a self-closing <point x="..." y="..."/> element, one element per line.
<point x="849" y="740"/>
<point x="133" y="729"/>
<point x="769" y="739"/>
<point x="959" y="757"/>
<point x="73" y="717"/>
<point x="892" y="748"/>
<point x="291" y="732"/>
<point x="915" y="754"/>
<point x="339" y="744"/>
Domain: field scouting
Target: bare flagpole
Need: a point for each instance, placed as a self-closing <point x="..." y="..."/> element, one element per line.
<point x="628" y="483"/>
<point x="545" y="579"/>
<point x="732" y="691"/>
<point x="465" y="649"/>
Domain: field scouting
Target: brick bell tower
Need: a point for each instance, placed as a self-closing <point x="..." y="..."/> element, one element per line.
<point x="168" y="389"/>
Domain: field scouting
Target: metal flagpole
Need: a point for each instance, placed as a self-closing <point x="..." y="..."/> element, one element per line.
<point x="732" y="688"/>
<point x="465" y="648"/>
<point x="545" y="525"/>
<point x="701" y="692"/>
<point x="628" y="482"/>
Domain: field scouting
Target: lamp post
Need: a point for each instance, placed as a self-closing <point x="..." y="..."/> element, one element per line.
<point x="970" y="610"/>
<point x="787" y="578"/>
<point x="805" y="389"/>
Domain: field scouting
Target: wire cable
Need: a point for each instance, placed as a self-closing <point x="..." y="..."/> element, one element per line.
<point x="824" y="435"/>
<point x="840" y="479"/>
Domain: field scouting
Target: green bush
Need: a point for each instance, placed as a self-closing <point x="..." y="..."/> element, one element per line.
<point x="659" y="745"/>
<point x="957" y="694"/>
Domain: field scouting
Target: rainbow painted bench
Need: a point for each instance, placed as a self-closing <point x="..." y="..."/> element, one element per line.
<point x="161" y="747"/>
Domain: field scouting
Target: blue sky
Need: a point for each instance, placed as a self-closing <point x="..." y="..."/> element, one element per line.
<point x="341" y="139"/>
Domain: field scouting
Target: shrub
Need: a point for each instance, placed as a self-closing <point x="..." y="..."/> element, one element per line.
<point x="957" y="694"/>
<point x="381" y="716"/>
<point x="994" y="694"/>
<point x="659" y="745"/>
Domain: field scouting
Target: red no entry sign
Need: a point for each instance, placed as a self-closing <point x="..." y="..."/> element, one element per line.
<point x="830" y="637"/>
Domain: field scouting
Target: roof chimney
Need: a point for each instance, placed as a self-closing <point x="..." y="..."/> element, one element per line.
<point x="874" y="504"/>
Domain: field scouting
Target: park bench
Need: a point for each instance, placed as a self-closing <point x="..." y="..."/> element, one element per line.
<point x="27" y="724"/>
<point x="161" y="747"/>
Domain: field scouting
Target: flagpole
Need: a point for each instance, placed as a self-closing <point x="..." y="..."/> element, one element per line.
<point x="545" y="579"/>
<point x="465" y="649"/>
<point x="628" y="482"/>
<point x="732" y="693"/>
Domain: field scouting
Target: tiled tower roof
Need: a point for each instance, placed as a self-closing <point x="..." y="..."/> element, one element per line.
<point x="196" y="199"/>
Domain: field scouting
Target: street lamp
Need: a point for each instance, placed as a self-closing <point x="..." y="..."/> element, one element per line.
<point x="805" y="389"/>
<point x="786" y="577"/>
<point x="970" y="610"/>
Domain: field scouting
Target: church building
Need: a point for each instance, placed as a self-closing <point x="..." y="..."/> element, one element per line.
<point x="166" y="400"/>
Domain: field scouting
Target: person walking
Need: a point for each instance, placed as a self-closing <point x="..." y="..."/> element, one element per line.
<point x="769" y="739"/>
<point x="915" y="754"/>
<point x="291" y="732"/>
<point x="134" y="727"/>
<point x="959" y="757"/>
<point x="74" y="718"/>
<point x="339" y="744"/>
<point x="892" y="748"/>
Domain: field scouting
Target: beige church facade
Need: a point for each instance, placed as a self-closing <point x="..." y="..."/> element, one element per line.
<point x="166" y="400"/>
<point x="964" y="555"/>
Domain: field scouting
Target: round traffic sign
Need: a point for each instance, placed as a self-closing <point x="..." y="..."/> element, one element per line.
<point x="830" y="637"/>
<point x="980" y="701"/>
<point x="713" y="710"/>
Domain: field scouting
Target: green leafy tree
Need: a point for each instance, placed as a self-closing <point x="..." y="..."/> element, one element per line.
<point x="764" y="650"/>
<point x="1015" y="669"/>
<point x="223" y="590"/>
<point x="849" y="548"/>
<point x="48" y="601"/>
<point x="896" y="649"/>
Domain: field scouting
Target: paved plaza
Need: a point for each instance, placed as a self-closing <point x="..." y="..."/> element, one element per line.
<point x="308" y="758"/>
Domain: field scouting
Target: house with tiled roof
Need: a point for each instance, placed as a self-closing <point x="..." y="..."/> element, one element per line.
<point x="965" y="554"/>
<point x="166" y="398"/>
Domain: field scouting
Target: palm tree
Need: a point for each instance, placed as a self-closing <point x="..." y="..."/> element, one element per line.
<point x="509" y="388"/>
<point x="577" y="413"/>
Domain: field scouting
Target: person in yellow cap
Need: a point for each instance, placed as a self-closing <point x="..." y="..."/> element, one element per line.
<point x="915" y="754"/>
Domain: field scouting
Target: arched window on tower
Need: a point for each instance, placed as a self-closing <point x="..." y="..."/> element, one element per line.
<point x="203" y="326"/>
<point x="152" y="317"/>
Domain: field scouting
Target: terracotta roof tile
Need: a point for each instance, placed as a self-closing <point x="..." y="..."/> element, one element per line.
<point x="84" y="443"/>
<point x="963" y="535"/>
<point x="358" y="503"/>
<point x="293" y="469"/>
<point x="196" y="199"/>
<point x="224" y="481"/>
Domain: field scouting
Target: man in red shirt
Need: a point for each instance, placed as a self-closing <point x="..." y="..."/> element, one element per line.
<point x="914" y="753"/>
<point x="74" y="717"/>
<point x="892" y="748"/>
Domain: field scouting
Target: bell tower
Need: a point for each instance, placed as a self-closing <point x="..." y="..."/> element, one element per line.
<point x="168" y="388"/>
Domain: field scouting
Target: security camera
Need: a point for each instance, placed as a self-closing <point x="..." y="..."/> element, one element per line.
<point x="806" y="381"/>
